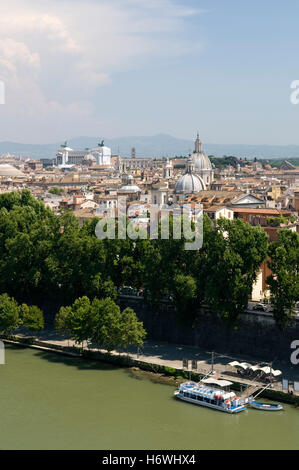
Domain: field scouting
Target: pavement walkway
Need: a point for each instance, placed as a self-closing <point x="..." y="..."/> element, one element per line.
<point x="172" y="355"/>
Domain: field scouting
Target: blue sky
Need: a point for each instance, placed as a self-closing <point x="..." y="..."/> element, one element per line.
<point x="141" y="67"/>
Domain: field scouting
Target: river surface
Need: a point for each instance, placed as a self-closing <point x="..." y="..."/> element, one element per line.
<point x="49" y="401"/>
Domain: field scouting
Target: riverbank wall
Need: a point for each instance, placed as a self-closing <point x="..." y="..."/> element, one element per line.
<point x="256" y="335"/>
<point x="122" y="360"/>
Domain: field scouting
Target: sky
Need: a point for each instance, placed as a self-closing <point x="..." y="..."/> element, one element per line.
<point x="113" y="68"/>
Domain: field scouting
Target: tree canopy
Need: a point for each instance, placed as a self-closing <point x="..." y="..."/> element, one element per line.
<point x="101" y="323"/>
<point x="47" y="255"/>
<point x="284" y="280"/>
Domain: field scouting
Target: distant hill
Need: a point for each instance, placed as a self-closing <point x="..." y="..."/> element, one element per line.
<point x="160" y="145"/>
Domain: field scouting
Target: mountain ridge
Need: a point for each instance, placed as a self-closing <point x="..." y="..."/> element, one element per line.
<point x="160" y="145"/>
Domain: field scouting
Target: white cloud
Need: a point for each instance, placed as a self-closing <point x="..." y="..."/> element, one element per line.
<point x="54" y="54"/>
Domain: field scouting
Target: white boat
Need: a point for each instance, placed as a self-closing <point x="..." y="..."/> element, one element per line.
<point x="212" y="393"/>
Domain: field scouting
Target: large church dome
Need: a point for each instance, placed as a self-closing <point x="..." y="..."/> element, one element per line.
<point x="189" y="183"/>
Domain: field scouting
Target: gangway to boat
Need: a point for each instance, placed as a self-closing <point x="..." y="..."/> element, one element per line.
<point x="248" y="392"/>
<point x="264" y="388"/>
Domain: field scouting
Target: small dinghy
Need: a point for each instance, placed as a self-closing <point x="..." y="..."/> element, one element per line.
<point x="266" y="406"/>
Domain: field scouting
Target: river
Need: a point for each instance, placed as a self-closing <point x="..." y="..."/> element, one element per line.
<point x="49" y="401"/>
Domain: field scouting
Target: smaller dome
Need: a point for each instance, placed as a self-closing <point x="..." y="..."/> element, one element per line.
<point x="201" y="161"/>
<point x="189" y="183"/>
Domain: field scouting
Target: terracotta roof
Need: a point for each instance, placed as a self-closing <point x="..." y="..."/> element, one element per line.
<point x="265" y="211"/>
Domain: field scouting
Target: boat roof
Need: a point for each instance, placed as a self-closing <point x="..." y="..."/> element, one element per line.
<point x="220" y="383"/>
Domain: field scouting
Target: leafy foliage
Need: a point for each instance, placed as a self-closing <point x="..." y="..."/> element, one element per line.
<point x="9" y="314"/>
<point x="32" y="317"/>
<point x="43" y="254"/>
<point x="284" y="280"/>
<point x="13" y="315"/>
<point x="101" y="323"/>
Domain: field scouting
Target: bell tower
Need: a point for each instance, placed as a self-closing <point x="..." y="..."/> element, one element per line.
<point x="198" y="144"/>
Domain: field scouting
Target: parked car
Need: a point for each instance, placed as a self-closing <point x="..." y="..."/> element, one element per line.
<point x="260" y="307"/>
<point x="127" y="290"/>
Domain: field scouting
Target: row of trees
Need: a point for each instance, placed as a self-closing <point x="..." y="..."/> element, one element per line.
<point x="13" y="316"/>
<point x="46" y="255"/>
<point x="100" y="322"/>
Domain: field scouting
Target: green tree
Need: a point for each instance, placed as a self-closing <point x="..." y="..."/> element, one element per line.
<point x="62" y="322"/>
<point x="9" y="314"/>
<point x="284" y="280"/>
<point x="235" y="251"/>
<point x="81" y="320"/>
<point x="106" y="318"/>
<point x="102" y="289"/>
<point x="56" y="190"/>
<point x="185" y="294"/>
<point x="131" y="329"/>
<point x="32" y="317"/>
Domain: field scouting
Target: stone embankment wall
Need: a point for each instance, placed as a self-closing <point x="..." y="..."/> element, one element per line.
<point x="256" y="335"/>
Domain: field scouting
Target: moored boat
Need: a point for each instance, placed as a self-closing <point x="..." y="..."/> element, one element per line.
<point x="212" y="393"/>
<point x="266" y="406"/>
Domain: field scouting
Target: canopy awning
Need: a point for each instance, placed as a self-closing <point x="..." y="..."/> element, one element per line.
<point x="254" y="368"/>
<point x="233" y="363"/>
<point x="243" y="365"/>
<point x="267" y="370"/>
<point x="220" y="383"/>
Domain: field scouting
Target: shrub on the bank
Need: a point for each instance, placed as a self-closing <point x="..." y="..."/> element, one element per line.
<point x="169" y="370"/>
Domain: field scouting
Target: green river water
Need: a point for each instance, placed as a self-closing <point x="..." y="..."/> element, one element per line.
<point x="50" y="401"/>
